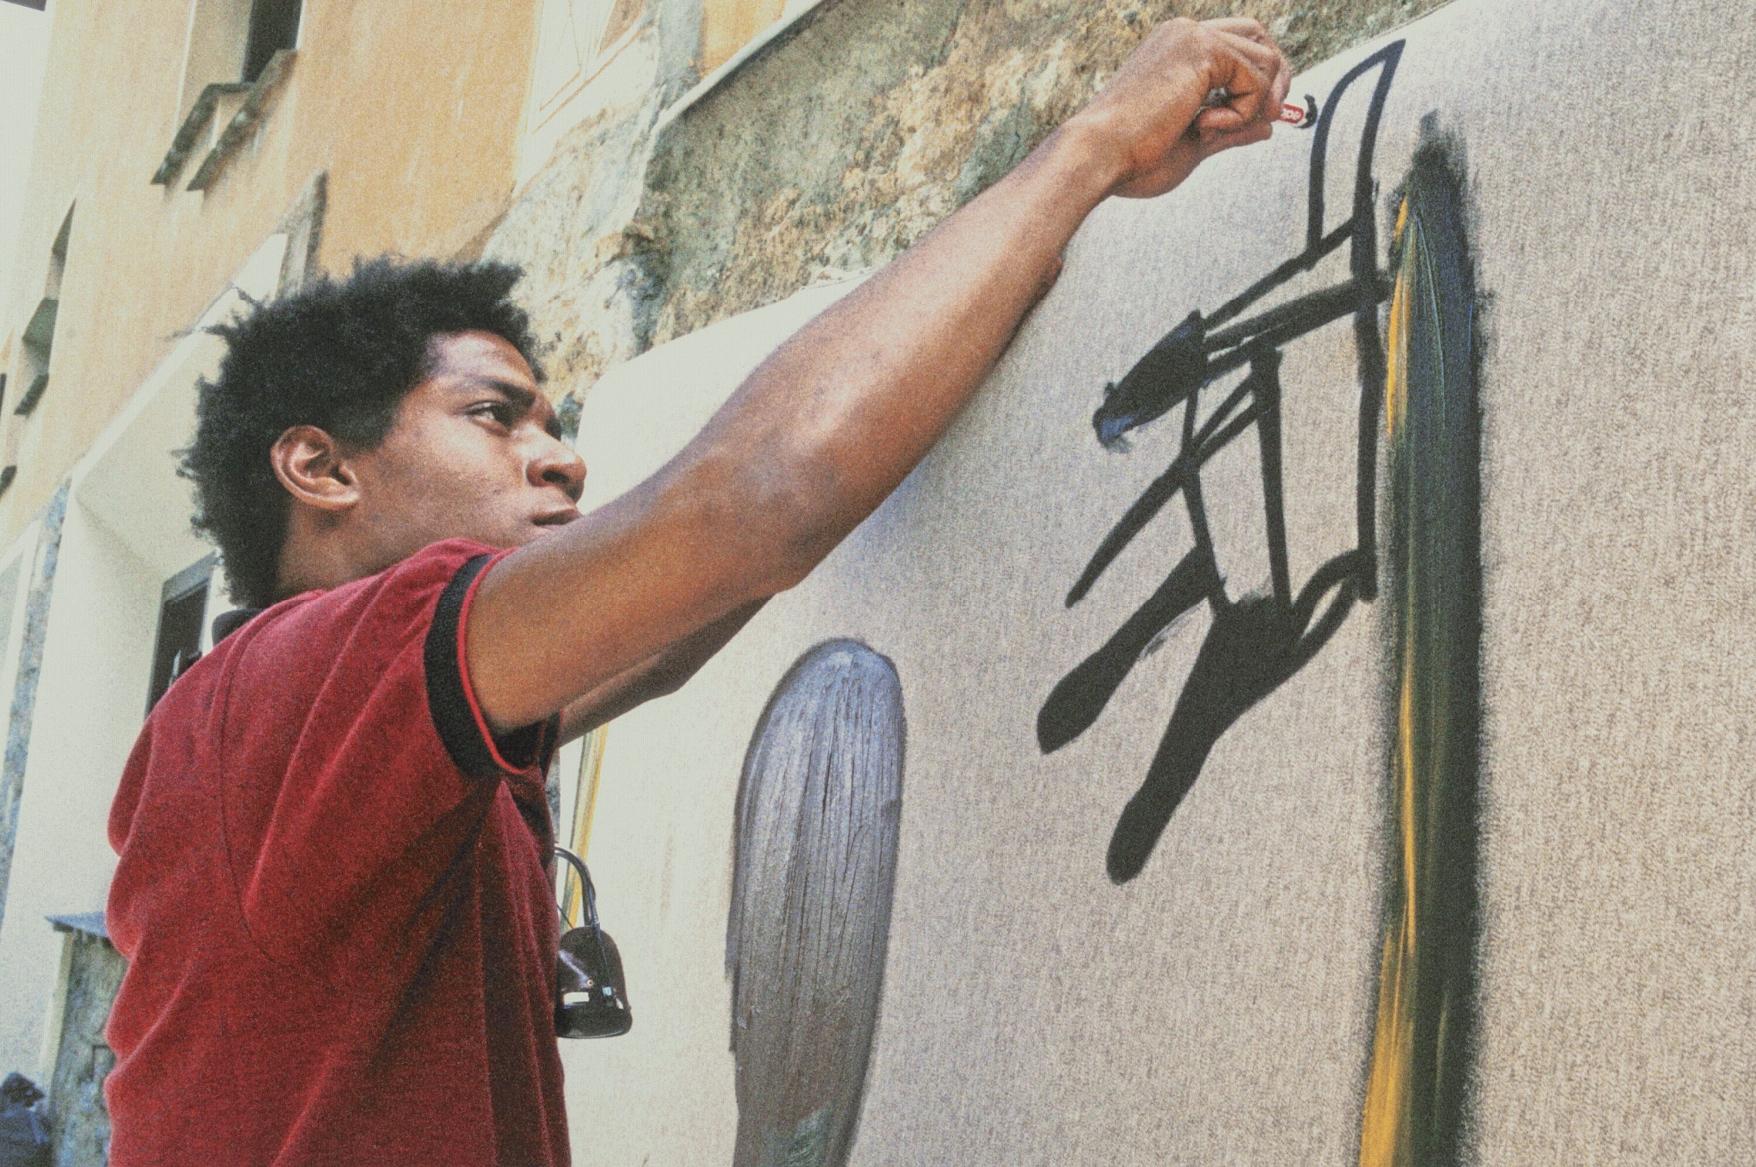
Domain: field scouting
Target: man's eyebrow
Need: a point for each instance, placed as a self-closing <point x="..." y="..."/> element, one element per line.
<point x="525" y="399"/>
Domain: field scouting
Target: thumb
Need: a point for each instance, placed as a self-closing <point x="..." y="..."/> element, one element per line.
<point x="1218" y="119"/>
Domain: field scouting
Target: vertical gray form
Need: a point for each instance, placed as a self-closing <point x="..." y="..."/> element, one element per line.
<point x="24" y="692"/>
<point x="813" y="873"/>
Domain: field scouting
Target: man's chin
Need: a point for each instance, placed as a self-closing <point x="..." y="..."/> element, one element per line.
<point x="535" y="531"/>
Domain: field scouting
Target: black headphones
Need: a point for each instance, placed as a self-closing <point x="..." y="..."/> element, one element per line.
<point x="591" y="991"/>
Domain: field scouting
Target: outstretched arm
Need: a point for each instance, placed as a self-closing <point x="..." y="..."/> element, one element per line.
<point x="830" y="423"/>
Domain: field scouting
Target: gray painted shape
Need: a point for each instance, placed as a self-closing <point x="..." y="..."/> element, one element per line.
<point x="814" y="873"/>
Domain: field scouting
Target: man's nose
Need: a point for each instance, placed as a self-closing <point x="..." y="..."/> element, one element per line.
<point x="555" y="463"/>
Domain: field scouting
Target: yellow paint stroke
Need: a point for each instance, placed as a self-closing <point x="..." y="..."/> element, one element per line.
<point x="591" y="766"/>
<point x="1384" y="1131"/>
<point x="1385" y="1134"/>
<point x="1396" y="381"/>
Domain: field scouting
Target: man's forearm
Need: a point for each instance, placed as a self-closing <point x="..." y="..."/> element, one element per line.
<point x="856" y="398"/>
<point x="661" y="674"/>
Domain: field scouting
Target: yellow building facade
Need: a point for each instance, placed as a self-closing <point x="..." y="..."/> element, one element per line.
<point x="408" y="112"/>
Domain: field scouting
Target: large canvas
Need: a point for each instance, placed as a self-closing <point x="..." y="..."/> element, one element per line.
<point x="1299" y="715"/>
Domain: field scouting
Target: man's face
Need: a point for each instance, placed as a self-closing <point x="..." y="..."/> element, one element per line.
<point x="474" y="452"/>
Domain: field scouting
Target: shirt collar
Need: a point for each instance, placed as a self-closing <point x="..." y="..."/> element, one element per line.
<point x="227" y="623"/>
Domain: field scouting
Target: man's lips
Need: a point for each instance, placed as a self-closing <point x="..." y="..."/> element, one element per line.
<point x="556" y="518"/>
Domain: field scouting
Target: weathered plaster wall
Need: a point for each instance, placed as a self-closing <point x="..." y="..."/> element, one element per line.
<point x="831" y="149"/>
<point x="79" y="1118"/>
<point x="589" y="281"/>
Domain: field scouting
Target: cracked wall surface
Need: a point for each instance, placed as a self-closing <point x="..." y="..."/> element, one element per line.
<point x="830" y="149"/>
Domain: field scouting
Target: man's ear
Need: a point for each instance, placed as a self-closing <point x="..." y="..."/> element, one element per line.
<point x="309" y="462"/>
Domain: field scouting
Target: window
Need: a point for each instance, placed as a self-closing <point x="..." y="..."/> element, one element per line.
<point x="573" y="38"/>
<point x="274" y="25"/>
<point x="182" y="619"/>
<point x="232" y="41"/>
<point x="234" y="59"/>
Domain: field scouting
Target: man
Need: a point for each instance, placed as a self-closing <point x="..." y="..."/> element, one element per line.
<point x="332" y="886"/>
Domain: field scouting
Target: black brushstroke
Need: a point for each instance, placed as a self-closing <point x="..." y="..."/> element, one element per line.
<point x="1258" y="642"/>
<point x="1434" y="481"/>
<point x="1254" y="646"/>
<point x="1171" y="370"/>
<point x="1083" y="693"/>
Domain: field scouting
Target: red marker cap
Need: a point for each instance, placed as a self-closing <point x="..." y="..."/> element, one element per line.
<point x="1302" y="116"/>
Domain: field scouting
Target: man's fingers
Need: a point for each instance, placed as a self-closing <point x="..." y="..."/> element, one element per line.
<point x="1240" y="26"/>
<point x="1247" y="71"/>
<point x="1218" y="119"/>
<point x="1250" y="30"/>
<point x="1249" y="40"/>
<point x="1264" y="59"/>
<point x="1242" y="136"/>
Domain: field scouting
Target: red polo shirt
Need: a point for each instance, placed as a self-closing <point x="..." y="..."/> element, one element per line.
<point x="334" y="898"/>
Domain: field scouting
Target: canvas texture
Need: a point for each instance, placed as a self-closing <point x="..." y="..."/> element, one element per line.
<point x="1220" y="1005"/>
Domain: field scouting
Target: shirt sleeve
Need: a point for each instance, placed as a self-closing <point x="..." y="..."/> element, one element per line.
<point x="357" y="767"/>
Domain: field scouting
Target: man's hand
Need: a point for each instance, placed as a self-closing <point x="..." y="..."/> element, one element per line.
<point x="1153" y="115"/>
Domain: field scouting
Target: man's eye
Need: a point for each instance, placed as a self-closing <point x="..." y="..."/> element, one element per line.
<point x="499" y="412"/>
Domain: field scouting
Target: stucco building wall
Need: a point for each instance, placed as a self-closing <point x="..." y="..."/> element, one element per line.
<point x="689" y="161"/>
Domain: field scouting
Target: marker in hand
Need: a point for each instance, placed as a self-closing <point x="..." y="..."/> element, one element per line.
<point x="1302" y="116"/>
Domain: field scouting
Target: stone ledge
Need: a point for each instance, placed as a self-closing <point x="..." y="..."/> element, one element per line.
<point x="38" y="386"/>
<point x="253" y="97"/>
<point x="40" y="332"/>
<point x="81" y="923"/>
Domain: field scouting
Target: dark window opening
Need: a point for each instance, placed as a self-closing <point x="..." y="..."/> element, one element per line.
<point x="182" y="615"/>
<point x="274" y="25"/>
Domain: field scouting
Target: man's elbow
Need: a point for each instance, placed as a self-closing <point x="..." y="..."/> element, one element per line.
<point x="787" y="520"/>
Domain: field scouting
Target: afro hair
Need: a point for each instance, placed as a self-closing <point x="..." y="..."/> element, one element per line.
<point x="339" y="354"/>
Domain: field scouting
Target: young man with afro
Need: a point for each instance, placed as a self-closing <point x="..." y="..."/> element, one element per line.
<point x="333" y="883"/>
